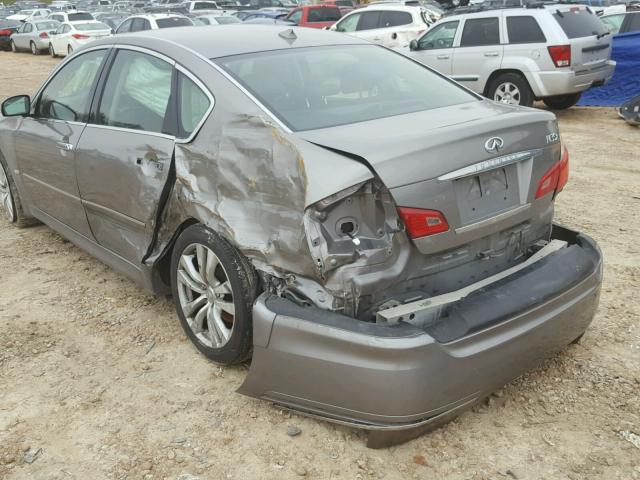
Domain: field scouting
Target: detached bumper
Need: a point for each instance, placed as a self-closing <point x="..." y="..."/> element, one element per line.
<point x="392" y="378"/>
<point x="561" y="82"/>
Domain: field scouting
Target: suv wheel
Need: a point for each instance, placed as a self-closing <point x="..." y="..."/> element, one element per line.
<point x="214" y="287"/>
<point x="561" y="102"/>
<point x="512" y="89"/>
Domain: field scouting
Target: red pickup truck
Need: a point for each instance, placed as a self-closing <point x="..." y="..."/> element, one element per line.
<point x="315" y="16"/>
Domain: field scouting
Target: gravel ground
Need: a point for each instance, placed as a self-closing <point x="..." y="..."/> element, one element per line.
<point x="97" y="380"/>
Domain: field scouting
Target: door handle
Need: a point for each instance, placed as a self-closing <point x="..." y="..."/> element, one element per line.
<point x="65" y="146"/>
<point x="491" y="54"/>
<point x="442" y="57"/>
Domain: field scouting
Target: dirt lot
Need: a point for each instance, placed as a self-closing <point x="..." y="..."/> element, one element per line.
<point x="97" y="380"/>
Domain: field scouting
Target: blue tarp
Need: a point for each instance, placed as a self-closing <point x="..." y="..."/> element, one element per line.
<point x="625" y="83"/>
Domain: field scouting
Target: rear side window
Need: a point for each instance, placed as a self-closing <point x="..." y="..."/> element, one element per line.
<point x="394" y="19"/>
<point x="580" y="23"/>
<point x="524" y="30"/>
<point x="74" y="17"/>
<point x="324" y="14"/>
<point x="136" y="94"/>
<point x="480" y="31"/>
<point x="369" y="21"/>
<point x="173" y="22"/>
<point x="194" y="103"/>
<point x="633" y="23"/>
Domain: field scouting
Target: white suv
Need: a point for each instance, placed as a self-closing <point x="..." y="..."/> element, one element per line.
<point x="388" y="25"/>
<point x="517" y="55"/>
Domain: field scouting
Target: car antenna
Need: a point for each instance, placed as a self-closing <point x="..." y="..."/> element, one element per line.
<point x="289" y="35"/>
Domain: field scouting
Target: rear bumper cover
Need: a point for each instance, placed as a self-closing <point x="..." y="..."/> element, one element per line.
<point x="564" y="82"/>
<point x="390" y="378"/>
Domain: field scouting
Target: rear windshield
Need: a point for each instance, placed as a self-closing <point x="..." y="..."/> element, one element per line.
<point x="86" y="27"/>
<point x="319" y="87"/>
<point x="578" y="23"/>
<point x="173" y="22"/>
<point x="47" y="25"/>
<point x="74" y="17"/>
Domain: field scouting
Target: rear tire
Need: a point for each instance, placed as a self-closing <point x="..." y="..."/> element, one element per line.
<point x="214" y="287"/>
<point x="10" y="200"/>
<point x="512" y="89"/>
<point x="52" y="52"/>
<point x="69" y="50"/>
<point x="13" y="47"/>
<point x="35" y="50"/>
<point x="562" y="102"/>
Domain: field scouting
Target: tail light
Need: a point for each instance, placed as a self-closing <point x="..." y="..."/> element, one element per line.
<point x="556" y="177"/>
<point x="44" y="35"/>
<point x="561" y="55"/>
<point x="6" y="33"/>
<point x="421" y="223"/>
<point x="79" y="36"/>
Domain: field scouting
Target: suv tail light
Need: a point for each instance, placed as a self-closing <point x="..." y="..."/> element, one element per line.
<point x="556" y="177"/>
<point x="6" y="32"/>
<point x="79" y="36"/>
<point x="44" y="35"/>
<point x="561" y="55"/>
<point x="421" y="223"/>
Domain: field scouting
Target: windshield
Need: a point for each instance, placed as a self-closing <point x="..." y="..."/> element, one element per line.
<point x="319" y="87"/>
<point x="86" y="27"/>
<point x="47" y="25"/>
<point x="173" y="22"/>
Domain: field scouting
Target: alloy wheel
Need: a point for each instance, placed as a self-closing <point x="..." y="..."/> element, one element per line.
<point x="5" y="196"/>
<point x="205" y="295"/>
<point x="508" y="93"/>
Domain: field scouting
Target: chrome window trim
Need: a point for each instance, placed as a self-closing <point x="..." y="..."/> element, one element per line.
<point x="209" y="95"/>
<point x="219" y="69"/>
<point x="131" y="130"/>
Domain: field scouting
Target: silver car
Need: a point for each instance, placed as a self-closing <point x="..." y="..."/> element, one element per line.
<point x="517" y="55"/>
<point x="379" y="239"/>
<point x="33" y="36"/>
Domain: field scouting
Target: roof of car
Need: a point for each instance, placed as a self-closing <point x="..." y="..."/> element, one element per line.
<point x="235" y="39"/>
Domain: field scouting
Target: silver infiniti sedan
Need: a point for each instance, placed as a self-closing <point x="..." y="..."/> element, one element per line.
<point x="378" y="238"/>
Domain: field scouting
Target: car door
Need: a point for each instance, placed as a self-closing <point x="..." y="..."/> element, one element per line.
<point x="368" y="26"/>
<point x="435" y="48"/>
<point x="61" y="38"/>
<point x="46" y="141"/>
<point x="21" y="40"/>
<point x="125" y="153"/>
<point x="479" y="53"/>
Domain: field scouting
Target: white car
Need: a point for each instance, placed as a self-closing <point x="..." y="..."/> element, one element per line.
<point x="153" y="21"/>
<point x="34" y="14"/>
<point x="72" y="35"/>
<point x="388" y="25"/>
<point x="216" y="20"/>
<point x="63" y="17"/>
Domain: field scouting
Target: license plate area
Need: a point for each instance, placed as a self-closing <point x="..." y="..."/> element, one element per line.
<point x="487" y="194"/>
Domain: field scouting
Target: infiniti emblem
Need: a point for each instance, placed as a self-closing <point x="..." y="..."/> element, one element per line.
<point x="494" y="145"/>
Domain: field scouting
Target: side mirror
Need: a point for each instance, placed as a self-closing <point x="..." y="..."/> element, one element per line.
<point x="18" y="106"/>
<point x="413" y="45"/>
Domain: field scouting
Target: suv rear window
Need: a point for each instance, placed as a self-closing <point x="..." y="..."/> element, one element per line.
<point x="74" y="17"/>
<point x="524" y="30"/>
<point x="480" y="31"/>
<point x="578" y="23"/>
<point x="324" y="14"/>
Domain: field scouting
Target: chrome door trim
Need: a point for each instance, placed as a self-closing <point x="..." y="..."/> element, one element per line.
<point x="115" y="216"/>
<point x="131" y="130"/>
<point x="51" y="187"/>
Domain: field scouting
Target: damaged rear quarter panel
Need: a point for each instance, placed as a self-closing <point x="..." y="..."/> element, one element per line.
<point x="249" y="180"/>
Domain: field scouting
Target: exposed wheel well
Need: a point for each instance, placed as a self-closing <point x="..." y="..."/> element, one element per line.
<point x="162" y="267"/>
<point x="497" y="73"/>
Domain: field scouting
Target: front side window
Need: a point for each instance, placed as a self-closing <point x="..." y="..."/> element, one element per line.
<point x="349" y="24"/>
<point x="295" y="17"/>
<point x="27" y="28"/>
<point x="369" y="21"/>
<point x="480" y="32"/>
<point x="524" y="30"/>
<point x="633" y="24"/>
<point x="136" y="93"/>
<point x="125" y="26"/>
<point x="319" y="87"/>
<point x="194" y="103"/>
<point x="67" y="95"/>
<point x="395" y="19"/>
<point x="440" y="36"/>
<point x="137" y="25"/>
